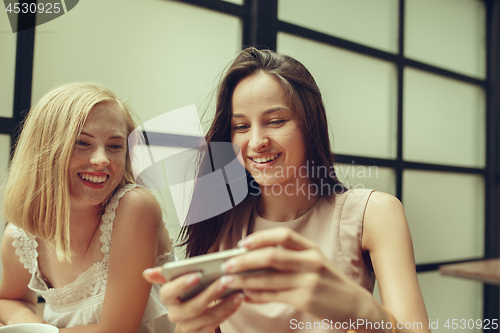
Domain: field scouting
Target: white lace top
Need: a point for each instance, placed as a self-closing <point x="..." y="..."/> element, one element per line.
<point x="80" y="302"/>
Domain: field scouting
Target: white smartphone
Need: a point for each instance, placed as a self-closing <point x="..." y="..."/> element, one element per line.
<point x="208" y="264"/>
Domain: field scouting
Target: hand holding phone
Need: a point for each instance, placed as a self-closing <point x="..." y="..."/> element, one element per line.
<point x="208" y="264"/>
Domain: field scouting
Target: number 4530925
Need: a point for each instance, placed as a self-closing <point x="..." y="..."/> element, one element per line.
<point x="462" y="324"/>
<point x="24" y="8"/>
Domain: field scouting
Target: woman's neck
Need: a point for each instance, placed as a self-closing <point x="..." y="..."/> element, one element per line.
<point x="83" y="227"/>
<point x="288" y="204"/>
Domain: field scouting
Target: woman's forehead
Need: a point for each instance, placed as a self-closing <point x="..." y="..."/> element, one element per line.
<point x="106" y="118"/>
<point x="262" y="93"/>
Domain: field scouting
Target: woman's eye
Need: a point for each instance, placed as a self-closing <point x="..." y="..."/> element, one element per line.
<point x="241" y="127"/>
<point x="116" y="146"/>
<point x="277" y="122"/>
<point x="82" y="143"/>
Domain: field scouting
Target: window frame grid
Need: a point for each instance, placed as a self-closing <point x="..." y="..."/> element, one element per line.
<point x="260" y="28"/>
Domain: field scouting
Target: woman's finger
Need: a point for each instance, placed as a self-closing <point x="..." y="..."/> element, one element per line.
<point x="170" y="291"/>
<point x="154" y="275"/>
<point x="213" y="316"/>
<point x="294" y="297"/>
<point x="263" y="280"/>
<point x="276" y="258"/>
<point x="277" y="236"/>
<point x="194" y="307"/>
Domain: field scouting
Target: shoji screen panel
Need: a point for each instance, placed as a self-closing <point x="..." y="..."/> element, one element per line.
<point x="363" y="176"/>
<point x="372" y="23"/>
<point x="447" y="33"/>
<point x="444" y="120"/>
<point x="445" y="212"/>
<point x="448" y="298"/>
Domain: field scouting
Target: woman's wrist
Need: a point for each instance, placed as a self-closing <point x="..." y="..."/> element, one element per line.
<point x="373" y="317"/>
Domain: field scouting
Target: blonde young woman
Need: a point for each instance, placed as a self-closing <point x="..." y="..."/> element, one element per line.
<point x="80" y="232"/>
<point x="323" y="243"/>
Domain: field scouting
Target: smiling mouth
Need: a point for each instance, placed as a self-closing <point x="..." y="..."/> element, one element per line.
<point x="265" y="159"/>
<point x="93" y="179"/>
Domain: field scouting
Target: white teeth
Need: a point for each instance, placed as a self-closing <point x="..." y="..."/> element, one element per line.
<point x="265" y="159"/>
<point x="93" y="179"/>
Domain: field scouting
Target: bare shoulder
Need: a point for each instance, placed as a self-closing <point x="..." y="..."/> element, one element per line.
<point x="8" y="230"/>
<point x="384" y="218"/>
<point x="139" y="205"/>
<point x="15" y="278"/>
<point x="381" y="201"/>
<point x="383" y="208"/>
<point x="7" y="248"/>
<point x="140" y="196"/>
<point x="9" y="255"/>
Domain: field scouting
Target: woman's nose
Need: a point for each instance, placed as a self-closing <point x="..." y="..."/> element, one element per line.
<point x="99" y="158"/>
<point x="259" y="140"/>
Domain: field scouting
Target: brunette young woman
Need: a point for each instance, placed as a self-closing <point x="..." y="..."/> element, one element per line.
<point x="321" y="244"/>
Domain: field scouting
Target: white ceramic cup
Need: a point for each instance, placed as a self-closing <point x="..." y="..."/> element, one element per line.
<point x="29" y="328"/>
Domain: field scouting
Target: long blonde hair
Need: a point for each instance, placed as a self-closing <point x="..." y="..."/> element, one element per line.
<point x="37" y="190"/>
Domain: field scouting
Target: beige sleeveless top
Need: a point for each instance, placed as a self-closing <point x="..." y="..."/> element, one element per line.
<point x="335" y="223"/>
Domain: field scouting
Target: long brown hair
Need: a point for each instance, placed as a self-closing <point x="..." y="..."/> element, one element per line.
<point x="307" y="104"/>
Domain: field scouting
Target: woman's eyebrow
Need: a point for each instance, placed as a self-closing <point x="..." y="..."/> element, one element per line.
<point x="265" y="113"/>
<point x="117" y="136"/>
<point x="87" y="134"/>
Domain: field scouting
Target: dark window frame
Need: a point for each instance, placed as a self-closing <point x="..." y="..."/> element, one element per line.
<point x="260" y="28"/>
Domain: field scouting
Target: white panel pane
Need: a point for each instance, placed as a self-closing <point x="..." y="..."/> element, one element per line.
<point x="359" y="94"/>
<point x="373" y="23"/>
<point x="448" y="298"/>
<point x="370" y="177"/>
<point x="444" y="120"/>
<point x="161" y="55"/>
<point x="7" y="66"/>
<point x="238" y="2"/>
<point x="4" y="163"/>
<point x="445" y="212"/>
<point x="447" y="33"/>
<point x="169" y="214"/>
<point x="376" y="293"/>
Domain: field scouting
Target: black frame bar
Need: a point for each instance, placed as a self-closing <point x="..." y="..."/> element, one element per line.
<point x="492" y="186"/>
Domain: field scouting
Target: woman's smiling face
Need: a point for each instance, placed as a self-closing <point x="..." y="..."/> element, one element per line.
<point x="98" y="161"/>
<point x="264" y="126"/>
